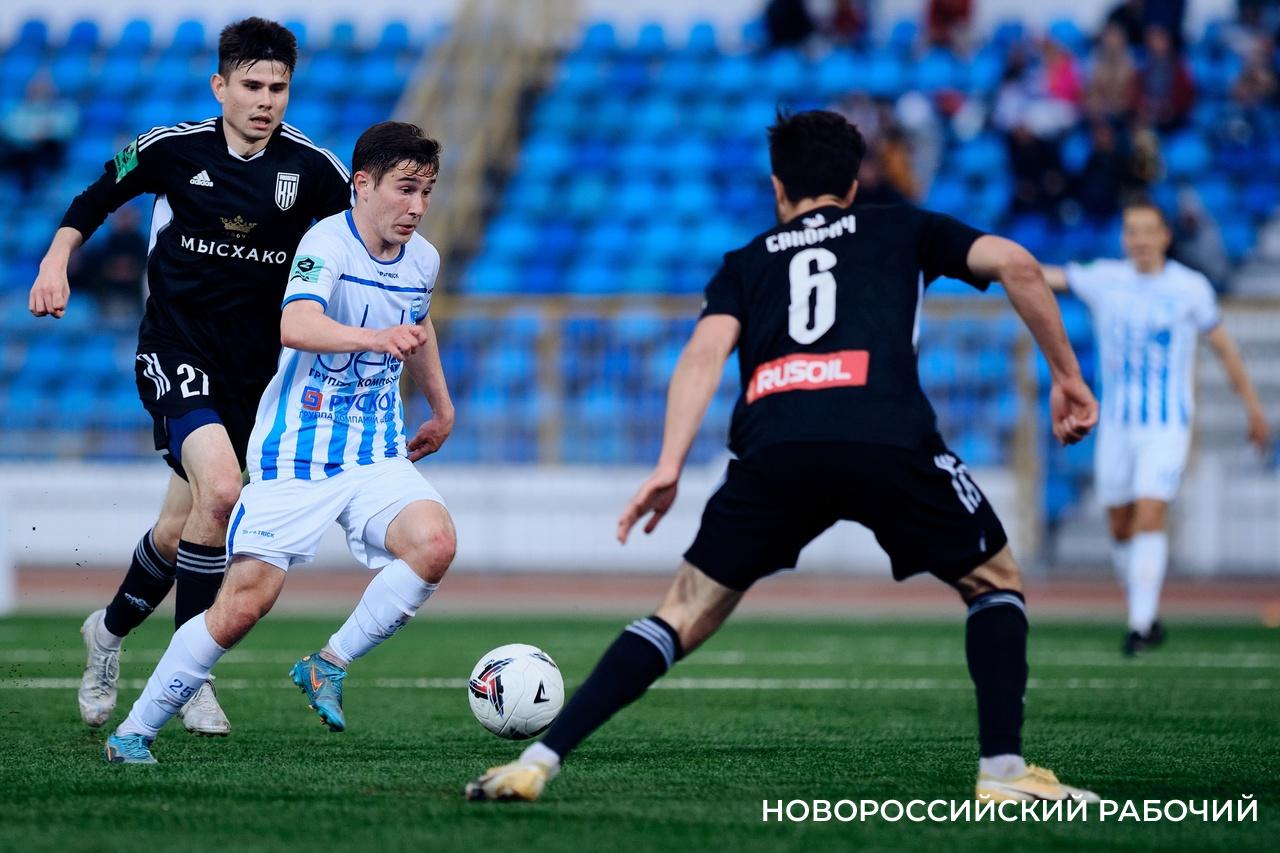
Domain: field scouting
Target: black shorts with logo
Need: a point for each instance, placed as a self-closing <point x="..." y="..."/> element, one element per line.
<point x="173" y="383"/>
<point x="921" y="504"/>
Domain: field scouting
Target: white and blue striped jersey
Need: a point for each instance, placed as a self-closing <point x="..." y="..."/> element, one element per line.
<point x="324" y="413"/>
<point x="1146" y="328"/>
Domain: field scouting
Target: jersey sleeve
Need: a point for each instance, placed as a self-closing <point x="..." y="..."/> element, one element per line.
<point x="943" y="249"/>
<point x="724" y="292"/>
<point x="127" y="175"/>
<point x="334" y="194"/>
<point x="1204" y="306"/>
<point x="1087" y="281"/>
<point x="314" y="270"/>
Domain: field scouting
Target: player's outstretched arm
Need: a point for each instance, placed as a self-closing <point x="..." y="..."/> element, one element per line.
<point x="428" y="374"/>
<point x="304" y="326"/>
<point x="1072" y="405"/>
<point x="51" y="291"/>
<point x="693" y="384"/>
<point x="1229" y="354"/>
<point x="1055" y="277"/>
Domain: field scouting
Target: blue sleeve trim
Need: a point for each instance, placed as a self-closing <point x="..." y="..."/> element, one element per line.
<point x="298" y="296"/>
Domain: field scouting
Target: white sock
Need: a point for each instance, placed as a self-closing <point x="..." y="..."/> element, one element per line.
<point x="1005" y="766"/>
<point x="391" y="599"/>
<point x="1146" y="577"/>
<point x="105" y="639"/>
<point x="182" y="671"/>
<point x="1122" y="561"/>
<point x="540" y="753"/>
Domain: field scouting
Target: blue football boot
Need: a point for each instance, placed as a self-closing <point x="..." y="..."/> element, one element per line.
<point x="322" y="682"/>
<point x="128" y="749"/>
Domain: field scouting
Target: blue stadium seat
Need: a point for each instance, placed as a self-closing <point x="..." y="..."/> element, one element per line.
<point x="342" y="37"/>
<point x="1187" y="155"/>
<point x="188" y="38"/>
<point x="599" y="38"/>
<point x="651" y="40"/>
<point x="702" y="39"/>
<point x="134" y="40"/>
<point x="33" y="35"/>
<point x="394" y="38"/>
<point x="82" y="37"/>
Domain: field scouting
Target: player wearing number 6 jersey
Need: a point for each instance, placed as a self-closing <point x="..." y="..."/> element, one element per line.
<point x="329" y="443"/>
<point x="832" y="424"/>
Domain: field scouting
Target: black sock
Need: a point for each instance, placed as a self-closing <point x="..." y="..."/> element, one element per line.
<point x="640" y="656"/>
<point x="200" y="570"/>
<point x="148" y="581"/>
<point x="996" y="646"/>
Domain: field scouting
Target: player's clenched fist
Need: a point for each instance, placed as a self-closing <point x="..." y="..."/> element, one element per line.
<point x="400" y="341"/>
<point x="49" y="294"/>
<point x="1074" y="410"/>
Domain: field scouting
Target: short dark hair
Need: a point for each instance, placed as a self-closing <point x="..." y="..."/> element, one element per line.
<point x="1137" y="201"/>
<point x="387" y="144"/>
<point x="815" y="153"/>
<point x="253" y="40"/>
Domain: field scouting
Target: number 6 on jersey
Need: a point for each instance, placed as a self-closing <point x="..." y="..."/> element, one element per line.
<point x="813" y="295"/>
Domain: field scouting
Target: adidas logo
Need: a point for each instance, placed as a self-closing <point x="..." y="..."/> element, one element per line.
<point x="201" y="180"/>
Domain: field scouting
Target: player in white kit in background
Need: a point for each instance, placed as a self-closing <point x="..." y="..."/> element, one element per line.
<point x="1148" y="313"/>
<point x="329" y="442"/>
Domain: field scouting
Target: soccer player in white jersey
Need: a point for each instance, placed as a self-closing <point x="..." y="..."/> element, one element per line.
<point x="1148" y="312"/>
<point x="330" y="444"/>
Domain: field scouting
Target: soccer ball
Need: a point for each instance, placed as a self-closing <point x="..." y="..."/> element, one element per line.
<point x="516" y="691"/>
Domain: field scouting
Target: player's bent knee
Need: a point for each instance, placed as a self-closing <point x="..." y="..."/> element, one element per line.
<point x="1001" y="572"/>
<point x="217" y="497"/>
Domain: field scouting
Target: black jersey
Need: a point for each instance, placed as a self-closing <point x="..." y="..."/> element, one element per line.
<point x="830" y="310"/>
<point x="223" y="233"/>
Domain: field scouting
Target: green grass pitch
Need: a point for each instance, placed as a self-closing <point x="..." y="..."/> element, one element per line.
<point x="767" y="710"/>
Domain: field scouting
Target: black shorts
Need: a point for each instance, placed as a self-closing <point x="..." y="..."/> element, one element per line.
<point x="921" y="504"/>
<point x="173" y="383"/>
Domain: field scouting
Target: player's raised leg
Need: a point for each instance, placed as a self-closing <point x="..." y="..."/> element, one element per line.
<point x="251" y="589"/>
<point x="694" y="608"/>
<point x="421" y="538"/>
<point x="148" y="581"/>
<point x="212" y="469"/>
<point x="996" y="650"/>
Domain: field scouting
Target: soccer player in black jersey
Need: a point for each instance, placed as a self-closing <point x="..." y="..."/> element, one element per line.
<point x="832" y="424"/>
<point x="233" y="196"/>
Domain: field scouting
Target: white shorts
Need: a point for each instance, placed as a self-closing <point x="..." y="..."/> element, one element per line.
<point x="281" y="521"/>
<point x="1139" y="463"/>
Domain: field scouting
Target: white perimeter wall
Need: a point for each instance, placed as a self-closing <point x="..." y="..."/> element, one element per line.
<point x="508" y="519"/>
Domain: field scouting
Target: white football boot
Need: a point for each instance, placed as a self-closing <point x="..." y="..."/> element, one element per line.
<point x="202" y="715"/>
<point x="97" y="694"/>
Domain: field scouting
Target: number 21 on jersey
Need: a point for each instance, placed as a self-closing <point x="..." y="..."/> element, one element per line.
<point x="813" y="295"/>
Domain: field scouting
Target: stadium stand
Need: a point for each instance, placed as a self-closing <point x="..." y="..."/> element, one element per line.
<point x="640" y="164"/>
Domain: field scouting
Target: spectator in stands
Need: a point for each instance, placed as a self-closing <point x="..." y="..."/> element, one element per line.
<point x="1039" y="180"/>
<point x="1165" y="89"/>
<point x="1135" y="16"/>
<point x="36" y="131"/>
<point x="947" y="23"/>
<point x="1113" y="76"/>
<point x="1042" y="96"/>
<point x="787" y="23"/>
<point x="1256" y="85"/>
<point x="111" y="268"/>
<point x="1128" y="16"/>
<point x="873" y="187"/>
<point x="1197" y="240"/>
<point x="1107" y="176"/>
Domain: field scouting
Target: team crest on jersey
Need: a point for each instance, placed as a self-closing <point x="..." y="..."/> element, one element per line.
<point x="286" y="189"/>
<point x="415" y="310"/>
<point x="312" y="398"/>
